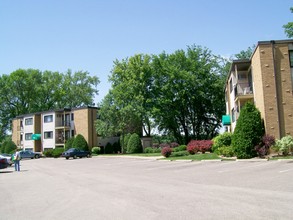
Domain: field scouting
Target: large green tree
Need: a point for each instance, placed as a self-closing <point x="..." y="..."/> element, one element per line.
<point x="27" y="91"/>
<point x="289" y="27"/>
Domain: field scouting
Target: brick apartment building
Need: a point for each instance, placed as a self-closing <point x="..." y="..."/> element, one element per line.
<point x="266" y="79"/>
<point x="50" y="129"/>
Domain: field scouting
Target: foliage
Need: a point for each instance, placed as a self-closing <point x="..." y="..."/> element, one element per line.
<point x="109" y="148"/>
<point x="289" y="27"/>
<point x="165" y="138"/>
<point x="245" y="54"/>
<point x="166" y="151"/>
<point x="80" y="143"/>
<point x="116" y="147"/>
<point x="48" y="153"/>
<point x="125" y="142"/>
<point x="96" y="150"/>
<point x="264" y="146"/>
<point x="248" y="132"/>
<point x="285" y="145"/>
<point x="226" y="151"/>
<point x="134" y="144"/>
<point x="180" y="148"/>
<point x="199" y="145"/>
<point x="69" y="143"/>
<point x="179" y="153"/>
<point x="57" y="152"/>
<point x="174" y="144"/>
<point x="28" y="91"/>
<point x="9" y="147"/>
<point x="148" y="150"/>
<point x="222" y="140"/>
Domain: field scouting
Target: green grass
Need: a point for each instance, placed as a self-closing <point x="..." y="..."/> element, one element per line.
<point x="281" y="157"/>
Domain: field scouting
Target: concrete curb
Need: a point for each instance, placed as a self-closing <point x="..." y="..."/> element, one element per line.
<point x="251" y="160"/>
<point x="212" y="160"/>
<point x="285" y="160"/>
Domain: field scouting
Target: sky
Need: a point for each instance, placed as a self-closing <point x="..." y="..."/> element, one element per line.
<point x="88" y="35"/>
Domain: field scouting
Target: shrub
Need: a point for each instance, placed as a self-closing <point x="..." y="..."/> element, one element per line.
<point x="166" y="151"/>
<point x="148" y="150"/>
<point x="179" y="153"/>
<point x="57" y="152"/>
<point x="285" y="145"/>
<point x="80" y="143"/>
<point x="124" y="142"/>
<point x="174" y="144"/>
<point x="96" y="150"/>
<point x="116" y="147"/>
<point x="69" y="143"/>
<point x="248" y="132"/>
<point x="134" y="144"/>
<point x="48" y="153"/>
<point x="222" y="140"/>
<point x="109" y="148"/>
<point x="157" y="150"/>
<point x="180" y="148"/>
<point x="162" y="145"/>
<point x="226" y="151"/>
<point x="199" y="145"/>
<point x="9" y="147"/>
<point x="264" y="147"/>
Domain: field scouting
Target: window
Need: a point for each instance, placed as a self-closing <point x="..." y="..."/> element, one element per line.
<point x="48" y="135"/>
<point x="291" y="58"/>
<point x="28" y="136"/>
<point x="48" y="118"/>
<point x="72" y="133"/>
<point x="28" y="121"/>
<point x="231" y="85"/>
<point x="233" y="115"/>
<point x="72" y="117"/>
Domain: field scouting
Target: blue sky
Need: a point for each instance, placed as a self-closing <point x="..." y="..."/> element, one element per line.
<point x="89" y="35"/>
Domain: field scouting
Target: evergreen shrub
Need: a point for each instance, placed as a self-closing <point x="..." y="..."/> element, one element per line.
<point x="96" y="150"/>
<point x="222" y="140"/>
<point x="248" y="132"/>
<point x="69" y="143"/>
<point x="134" y="144"/>
<point x="9" y="147"/>
<point x="80" y="143"/>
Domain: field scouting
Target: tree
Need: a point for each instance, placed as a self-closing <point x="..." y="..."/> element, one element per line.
<point x="245" y="54"/>
<point x="188" y="93"/>
<point x="289" y="27"/>
<point x="80" y="143"/>
<point x="69" y="143"/>
<point x="29" y="91"/>
<point x="9" y="147"/>
<point x="248" y="132"/>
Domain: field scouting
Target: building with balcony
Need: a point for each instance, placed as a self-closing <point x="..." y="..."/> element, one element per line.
<point x="266" y="79"/>
<point x="50" y="129"/>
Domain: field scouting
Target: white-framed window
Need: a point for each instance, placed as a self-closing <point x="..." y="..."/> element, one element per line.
<point x="48" y="134"/>
<point x="48" y="118"/>
<point x="28" y="136"/>
<point x="28" y="121"/>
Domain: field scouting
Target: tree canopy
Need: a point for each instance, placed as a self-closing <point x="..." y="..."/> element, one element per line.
<point x="289" y="27"/>
<point x="30" y="90"/>
<point x="179" y="94"/>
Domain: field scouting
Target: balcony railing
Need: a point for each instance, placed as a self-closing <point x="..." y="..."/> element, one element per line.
<point x="242" y="89"/>
<point x="63" y="124"/>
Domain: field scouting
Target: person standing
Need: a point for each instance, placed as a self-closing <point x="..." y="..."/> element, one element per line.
<point x="16" y="160"/>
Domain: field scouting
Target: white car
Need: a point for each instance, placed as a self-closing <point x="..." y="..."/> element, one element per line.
<point x="8" y="157"/>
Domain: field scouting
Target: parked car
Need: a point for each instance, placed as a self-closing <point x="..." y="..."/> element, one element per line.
<point x="74" y="153"/>
<point x="29" y="154"/>
<point x="8" y="157"/>
<point x="3" y="163"/>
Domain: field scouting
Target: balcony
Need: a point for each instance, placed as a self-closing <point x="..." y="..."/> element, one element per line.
<point x="243" y="91"/>
<point x="62" y="124"/>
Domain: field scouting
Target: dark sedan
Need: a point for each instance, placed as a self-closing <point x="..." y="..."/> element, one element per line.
<point x="3" y="163"/>
<point x="75" y="153"/>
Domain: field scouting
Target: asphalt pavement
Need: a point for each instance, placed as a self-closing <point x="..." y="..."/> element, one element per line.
<point x="146" y="189"/>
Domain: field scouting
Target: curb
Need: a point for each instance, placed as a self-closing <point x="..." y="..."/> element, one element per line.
<point x="212" y="160"/>
<point x="251" y="160"/>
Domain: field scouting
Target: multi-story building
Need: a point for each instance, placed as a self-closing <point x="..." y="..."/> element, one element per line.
<point x="266" y="79"/>
<point x="51" y="129"/>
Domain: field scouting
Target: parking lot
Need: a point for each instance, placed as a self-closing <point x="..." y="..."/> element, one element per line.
<point x="145" y="189"/>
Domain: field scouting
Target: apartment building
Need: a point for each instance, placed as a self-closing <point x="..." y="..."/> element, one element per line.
<point x="266" y="79"/>
<point x="50" y="129"/>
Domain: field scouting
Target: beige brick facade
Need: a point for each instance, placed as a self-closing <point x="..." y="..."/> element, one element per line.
<point x="272" y="86"/>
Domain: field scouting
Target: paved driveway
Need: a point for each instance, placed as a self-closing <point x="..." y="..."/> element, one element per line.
<point x="145" y="189"/>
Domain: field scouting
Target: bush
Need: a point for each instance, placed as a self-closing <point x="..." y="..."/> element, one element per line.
<point x="48" y="153"/>
<point x="180" y="148"/>
<point x="9" y="147"/>
<point x="222" y="140"/>
<point x="179" y="153"/>
<point x="285" y="145"/>
<point x="149" y="150"/>
<point x="134" y="144"/>
<point x="264" y="147"/>
<point x="162" y="145"/>
<point x="248" y="132"/>
<point x="157" y="150"/>
<point x="116" y="147"/>
<point x="80" y="143"/>
<point x="109" y="148"/>
<point x="69" y="143"/>
<point x="96" y="150"/>
<point x="226" y="151"/>
<point x="203" y="146"/>
<point x="174" y="144"/>
<point x="124" y="142"/>
<point x="166" y="151"/>
<point x="57" y="152"/>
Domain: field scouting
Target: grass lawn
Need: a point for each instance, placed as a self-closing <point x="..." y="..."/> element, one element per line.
<point x="206" y="156"/>
<point x="281" y="157"/>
